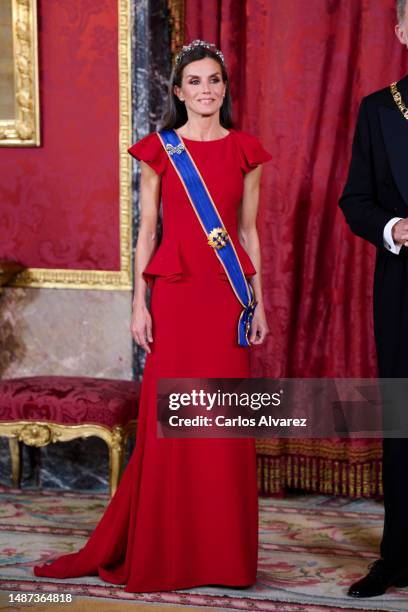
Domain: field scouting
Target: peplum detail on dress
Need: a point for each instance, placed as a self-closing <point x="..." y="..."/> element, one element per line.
<point x="166" y="261"/>
<point x="150" y="150"/>
<point x="252" y="153"/>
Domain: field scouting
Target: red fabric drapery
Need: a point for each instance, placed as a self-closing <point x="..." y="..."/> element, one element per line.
<point x="297" y="76"/>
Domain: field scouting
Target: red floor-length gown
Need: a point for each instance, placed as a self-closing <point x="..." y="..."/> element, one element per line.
<point x="186" y="510"/>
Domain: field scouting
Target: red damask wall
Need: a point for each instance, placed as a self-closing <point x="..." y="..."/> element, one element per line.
<point x="59" y="204"/>
<point x="298" y="71"/>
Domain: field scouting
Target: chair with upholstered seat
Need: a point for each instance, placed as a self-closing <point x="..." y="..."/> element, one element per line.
<point x="40" y="410"/>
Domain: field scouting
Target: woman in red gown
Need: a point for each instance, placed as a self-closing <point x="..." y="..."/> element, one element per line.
<point x="186" y="510"/>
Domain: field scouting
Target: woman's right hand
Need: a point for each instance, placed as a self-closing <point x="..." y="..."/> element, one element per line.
<point x="141" y="326"/>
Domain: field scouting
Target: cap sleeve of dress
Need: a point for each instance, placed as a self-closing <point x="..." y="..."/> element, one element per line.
<point x="252" y="152"/>
<point x="150" y="150"/>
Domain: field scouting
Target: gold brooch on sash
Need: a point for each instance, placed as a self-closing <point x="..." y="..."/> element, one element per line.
<point x="217" y="238"/>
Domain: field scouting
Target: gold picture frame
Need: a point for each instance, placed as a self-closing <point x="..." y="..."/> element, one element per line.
<point x="177" y="12"/>
<point x="19" y="94"/>
<point x="104" y="279"/>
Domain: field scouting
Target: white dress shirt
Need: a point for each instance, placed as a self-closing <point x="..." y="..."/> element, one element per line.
<point x="387" y="235"/>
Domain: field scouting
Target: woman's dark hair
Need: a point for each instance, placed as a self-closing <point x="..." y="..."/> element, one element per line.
<point x="175" y="114"/>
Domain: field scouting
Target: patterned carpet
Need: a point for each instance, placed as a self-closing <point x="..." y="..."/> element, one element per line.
<point x="311" y="548"/>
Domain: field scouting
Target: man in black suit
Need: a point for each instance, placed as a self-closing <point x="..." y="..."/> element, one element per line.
<point x="375" y="204"/>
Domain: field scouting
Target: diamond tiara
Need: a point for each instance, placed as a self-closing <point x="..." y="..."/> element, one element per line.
<point x="199" y="43"/>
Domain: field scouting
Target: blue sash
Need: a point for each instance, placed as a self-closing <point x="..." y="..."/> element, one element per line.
<point x="213" y="227"/>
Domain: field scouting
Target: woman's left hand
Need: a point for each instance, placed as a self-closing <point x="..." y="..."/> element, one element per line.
<point x="259" y="326"/>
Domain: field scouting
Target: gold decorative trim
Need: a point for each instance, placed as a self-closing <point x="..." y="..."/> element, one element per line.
<point x="24" y="128"/>
<point x="398" y="100"/>
<point x="319" y="475"/>
<point x="42" y="433"/>
<point x="326" y="449"/>
<point x="323" y="466"/>
<point x="177" y="20"/>
<point x="72" y="279"/>
<point x="104" y="279"/>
